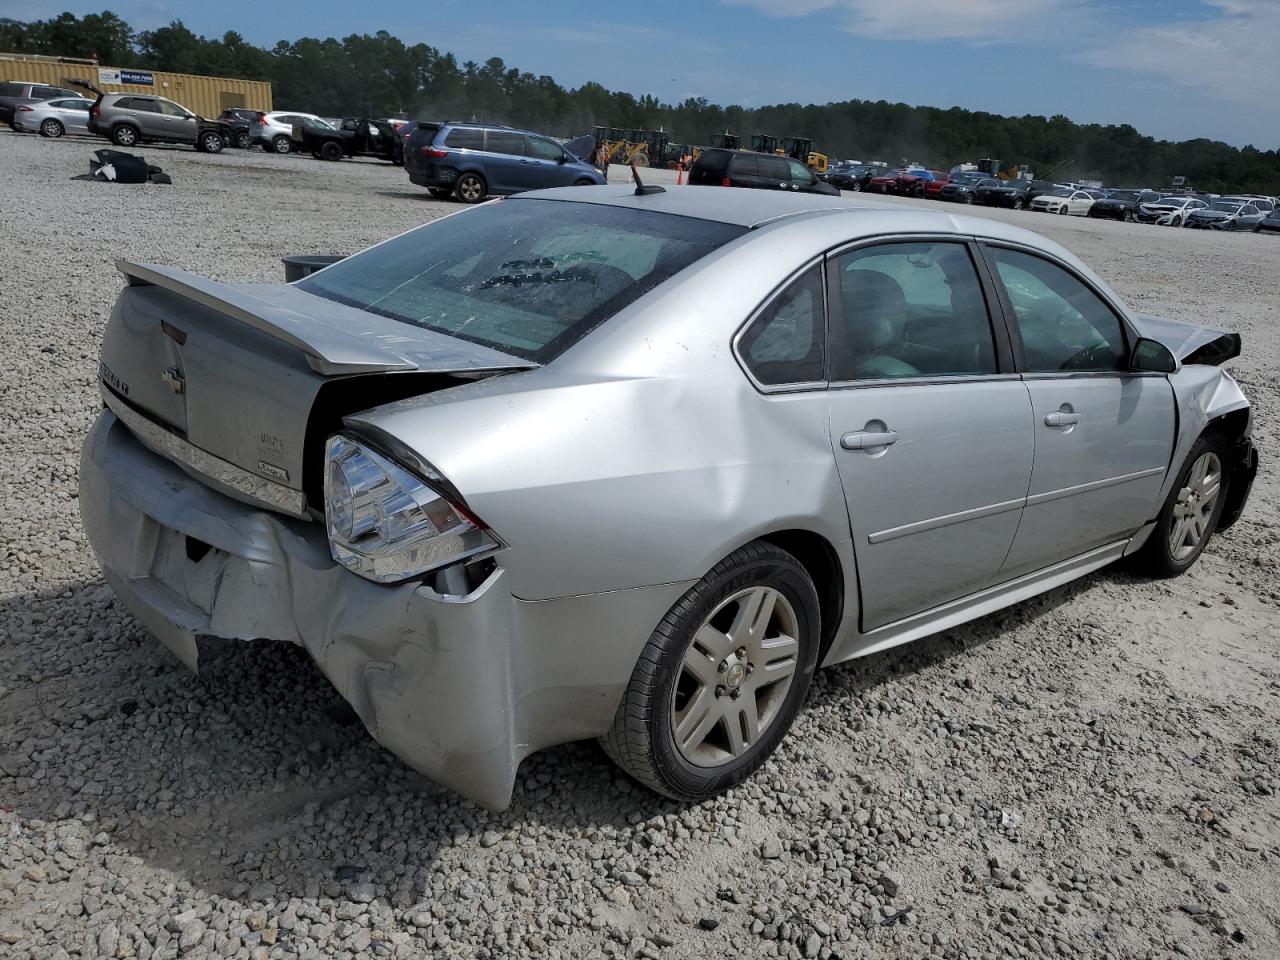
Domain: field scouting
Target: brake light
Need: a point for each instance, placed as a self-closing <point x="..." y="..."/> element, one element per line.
<point x="97" y="110"/>
<point x="262" y="121"/>
<point x="24" y="109"/>
<point x="726" y="182"/>
<point x="434" y="152"/>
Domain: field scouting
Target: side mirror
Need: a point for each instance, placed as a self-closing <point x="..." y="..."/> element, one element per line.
<point x="563" y="158"/>
<point x="1152" y="356"/>
<point x="299" y="266"/>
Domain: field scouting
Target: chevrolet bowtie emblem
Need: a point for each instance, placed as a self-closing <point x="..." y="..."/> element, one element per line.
<point x="173" y="377"/>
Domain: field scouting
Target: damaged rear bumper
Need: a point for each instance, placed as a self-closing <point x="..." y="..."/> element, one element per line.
<point x="461" y="688"/>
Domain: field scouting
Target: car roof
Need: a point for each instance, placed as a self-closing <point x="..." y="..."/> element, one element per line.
<point x="754" y="208"/>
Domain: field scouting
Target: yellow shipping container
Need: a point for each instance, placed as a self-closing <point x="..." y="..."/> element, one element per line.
<point x="207" y="96"/>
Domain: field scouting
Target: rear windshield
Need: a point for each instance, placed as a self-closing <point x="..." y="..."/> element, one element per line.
<point x="526" y="277"/>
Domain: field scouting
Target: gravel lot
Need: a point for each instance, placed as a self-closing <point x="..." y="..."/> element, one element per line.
<point x="1094" y="773"/>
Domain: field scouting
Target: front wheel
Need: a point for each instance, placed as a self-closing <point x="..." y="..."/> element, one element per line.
<point x="471" y="188"/>
<point x="857" y="186"/>
<point x="242" y="140"/>
<point x="1191" y="512"/>
<point x="722" y="677"/>
<point x="1018" y="204"/>
<point x="52" y="128"/>
<point x="329" y="150"/>
<point x="210" y="142"/>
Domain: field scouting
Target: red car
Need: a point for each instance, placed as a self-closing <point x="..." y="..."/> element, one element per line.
<point x="934" y="186"/>
<point x="913" y="183"/>
<point x="886" y="182"/>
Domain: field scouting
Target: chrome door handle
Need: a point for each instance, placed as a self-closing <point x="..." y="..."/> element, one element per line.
<point x="1060" y="419"/>
<point x="866" y="439"/>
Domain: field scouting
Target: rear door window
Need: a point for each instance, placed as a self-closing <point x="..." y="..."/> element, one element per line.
<point x="143" y="104"/>
<point x="745" y="165"/>
<point x="774" y="168"/>
<point x="465" y="138"/>
<point x="911" y="310"/>
<point x="504" y="141"/>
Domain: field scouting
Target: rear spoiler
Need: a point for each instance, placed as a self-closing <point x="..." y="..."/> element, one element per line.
<point x="335" y="339"/>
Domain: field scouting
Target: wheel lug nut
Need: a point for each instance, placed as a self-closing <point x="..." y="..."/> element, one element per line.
<point x="737" y="692"/>
<point x="741" y="652"/>
<point x="722" y="666"/>
<point x="751" y="667"/>
<point x="719" y="691"/>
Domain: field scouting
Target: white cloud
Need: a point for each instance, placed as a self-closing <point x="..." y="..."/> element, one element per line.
<point x="973" y="20"/>
<point x="1232" y="57"/>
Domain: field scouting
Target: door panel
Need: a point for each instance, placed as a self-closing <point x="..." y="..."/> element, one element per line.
<point x="935" y="466"/>
<point x="1096" y="479"/>
<point x="934" y="513"/>
<point x="1103" y="436"/>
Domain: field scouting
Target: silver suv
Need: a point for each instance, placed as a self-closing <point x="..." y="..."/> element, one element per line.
<point x="127" y="119"/>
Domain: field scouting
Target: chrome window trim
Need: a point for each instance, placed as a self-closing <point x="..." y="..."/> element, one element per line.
<point x="169" y="445"/>
<point x="806" y="386"/>
<point x="934" y="380"/>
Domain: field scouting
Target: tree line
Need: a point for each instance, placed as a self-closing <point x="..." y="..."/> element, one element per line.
<point x="379" y="75"/>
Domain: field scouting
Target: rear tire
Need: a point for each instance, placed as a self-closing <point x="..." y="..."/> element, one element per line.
<point x="124" y="135"/>
<point x="1018" y="204"/>
<point x="330" y="151"/>
<point x="242" y="140"/>
<point x="471" y="188"/>
<point x="1191" y="512"/>
<point x="693" y="722"/>
<point x="857" y="186"/>
<point x="281" y="144"/>
<point x="52" y="128"/>
<point x="584" y="182"/>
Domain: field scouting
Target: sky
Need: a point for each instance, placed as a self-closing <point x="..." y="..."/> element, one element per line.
<point x="1174" y="69"/>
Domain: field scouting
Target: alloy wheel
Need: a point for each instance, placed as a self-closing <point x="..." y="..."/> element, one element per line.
<point x="1194" y="507"/>
<point x="735" y="676"/>
<point x="51" y="128"/>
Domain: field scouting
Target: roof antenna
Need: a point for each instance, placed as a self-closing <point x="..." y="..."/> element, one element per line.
<point x="641" y="189"/>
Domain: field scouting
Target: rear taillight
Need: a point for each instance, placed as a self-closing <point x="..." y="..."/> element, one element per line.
<point x="24" y="110"/>
<point x="726" y="182"/>
<point x="262" y="121"/>
<point x="97" y="110"/>
<point x="434" y="152"/>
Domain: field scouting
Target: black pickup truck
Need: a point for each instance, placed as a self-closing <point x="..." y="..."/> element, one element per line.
<point x="353" y="137"/>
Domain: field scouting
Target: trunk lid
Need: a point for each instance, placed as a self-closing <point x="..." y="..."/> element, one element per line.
<point x="228" y="379"/>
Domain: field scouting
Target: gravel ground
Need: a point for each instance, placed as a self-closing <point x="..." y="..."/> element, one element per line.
<point x="1090" y="774"/>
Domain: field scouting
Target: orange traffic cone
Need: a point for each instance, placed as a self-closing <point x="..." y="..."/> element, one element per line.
<point x="679" y="173"/>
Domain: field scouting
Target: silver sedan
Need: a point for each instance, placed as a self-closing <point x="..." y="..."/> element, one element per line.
<point x="53" y="118"/>
<point x="601" y="462"/>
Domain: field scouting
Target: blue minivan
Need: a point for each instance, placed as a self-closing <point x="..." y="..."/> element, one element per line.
<point x="471" y="161"/>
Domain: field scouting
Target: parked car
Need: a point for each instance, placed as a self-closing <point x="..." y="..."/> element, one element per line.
<point x="1004" y="193"/>
<point x="472" y="161"/>
<point x="1226" y="215"/>
<point x="14" y="91"/>
<point x="53" y="118"/>
<point x="963" y="187"/>
<point x="274" y="131"/>
<point x="127" y="119"/>
<point x="757" y="171"/>
<point x="1264" y="204"/>
<point x="1271" y="222"/>
<point x="237" y="125"/>
<point x="911" y="182"/>
<point x="885" y="182"/>
<point x="1064" y="201"/>
<point x="933" y="189"/>
<point x="1121" y="204"/>
<point x="353" y="137"/>
<point x="587" y="463"/>
<point x="1169" y="211"/>
<point x="856" y="177"/>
